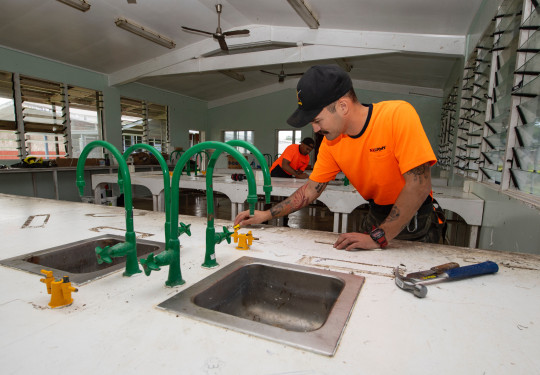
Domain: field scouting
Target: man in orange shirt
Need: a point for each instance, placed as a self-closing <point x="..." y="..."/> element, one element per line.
<point x="294" y="160"/>
<point x="381" y="148"/>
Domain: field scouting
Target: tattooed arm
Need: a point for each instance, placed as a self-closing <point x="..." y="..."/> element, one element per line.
<point x="302" y="197"/>
<point x="414" y="193"/>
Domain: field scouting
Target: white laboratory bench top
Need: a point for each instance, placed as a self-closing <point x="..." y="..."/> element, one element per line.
<point x="484" y="325"/>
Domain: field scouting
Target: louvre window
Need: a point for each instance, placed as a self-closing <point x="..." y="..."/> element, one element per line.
<point x="524" y="145"/>
<point x="9" y="141"/>
<point x="85" y="119"/>
<point x="144" y="122"/>
<point x="474" y="103"/>
<point x="44" y="118"/>
<point x="448" y="130"/>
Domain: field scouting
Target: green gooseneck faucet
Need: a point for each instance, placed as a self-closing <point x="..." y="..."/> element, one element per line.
<point x="267" y="187"/>
<point x="128" y="248"/>
<point x="171" y="256"/>
<point x="166" y="180"/>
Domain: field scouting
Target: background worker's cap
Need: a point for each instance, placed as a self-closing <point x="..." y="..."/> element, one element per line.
<point x="320" y="86"/>
<point x="309" y="142"/>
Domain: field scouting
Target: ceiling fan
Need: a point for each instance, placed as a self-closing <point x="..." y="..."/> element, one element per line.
<point x="281" y="75"/>
<point x="219" y="35"/>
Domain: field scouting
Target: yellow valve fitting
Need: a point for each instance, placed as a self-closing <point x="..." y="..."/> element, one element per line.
<point x="61" y="293"/>
<point x="48" y="279"/>
<point x="244" y="240"/>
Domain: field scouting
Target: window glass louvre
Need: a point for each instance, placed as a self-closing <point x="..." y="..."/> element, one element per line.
<point x="448" y="119"/>
<point x="157" y="132"/>
<point x="8" y="125"/>
<point x="474" y="102"/>
<point x="133" y="121"/>
<point x="85" y="111"/>
<point x="495" y="134"/>
<point x="525" y="150"/>
<point x="144" y="122"/>
<point x="43" y="113"/>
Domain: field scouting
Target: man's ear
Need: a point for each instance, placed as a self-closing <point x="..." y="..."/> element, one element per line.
<point x="343" y="106"/>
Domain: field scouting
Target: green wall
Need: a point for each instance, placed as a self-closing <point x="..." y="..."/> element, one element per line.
<point x="267" y="113"/>
<point x="185" y="112"/>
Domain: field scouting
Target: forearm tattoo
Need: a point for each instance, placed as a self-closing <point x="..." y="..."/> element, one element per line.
<point x="419" y="172"/>
<point x="291" y="204"/>
<point x="320" y="187"/>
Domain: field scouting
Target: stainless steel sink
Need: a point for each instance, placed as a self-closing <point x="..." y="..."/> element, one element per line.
<point x="295" y="305"/>
<point x="78" y="259"/>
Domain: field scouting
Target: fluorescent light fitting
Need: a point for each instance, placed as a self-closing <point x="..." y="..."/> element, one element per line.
<point x="304" y="12"/>
<point x="81" y="5"/>
<point x="233" y="74"/>
<point x="144" y="32"/>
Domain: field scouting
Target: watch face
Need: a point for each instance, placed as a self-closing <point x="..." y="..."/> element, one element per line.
<point x="377" y="235"/>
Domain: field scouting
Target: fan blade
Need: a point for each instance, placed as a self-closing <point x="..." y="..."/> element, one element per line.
<point x="267" y="72"/>
<point x="236" y="32"/>
<point x="294" y="74"/>
<point x="197" y="31"/>
<point x="222" y="43"/>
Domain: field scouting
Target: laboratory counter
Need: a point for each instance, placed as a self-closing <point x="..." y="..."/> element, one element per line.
<point x="488" y="324"/>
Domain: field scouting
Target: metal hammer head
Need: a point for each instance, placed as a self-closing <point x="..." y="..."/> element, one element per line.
<point x="409" y="285"/>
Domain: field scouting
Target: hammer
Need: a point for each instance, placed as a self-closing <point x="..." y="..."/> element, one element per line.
<point x="419" y="289"/>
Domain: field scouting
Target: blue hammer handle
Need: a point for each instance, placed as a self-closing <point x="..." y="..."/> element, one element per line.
<point x="473" y="270"/>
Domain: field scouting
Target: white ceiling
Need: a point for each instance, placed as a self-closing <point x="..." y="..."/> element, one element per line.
<point x="388" y="43"/>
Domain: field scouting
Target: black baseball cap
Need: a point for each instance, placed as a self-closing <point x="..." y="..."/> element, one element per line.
<point x="309" y="142"/>
<point x="320" y="86"/>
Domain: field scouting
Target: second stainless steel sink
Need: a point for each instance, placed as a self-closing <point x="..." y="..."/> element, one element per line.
<point x="296" y="305"/>
<point x="78" y="260"/>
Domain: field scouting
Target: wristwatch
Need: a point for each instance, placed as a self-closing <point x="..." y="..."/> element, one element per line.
<point x="377" y="235"/>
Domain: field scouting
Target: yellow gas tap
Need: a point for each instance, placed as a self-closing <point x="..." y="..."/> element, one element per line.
<point x="60" y="290"/>
<point x="244" y="240"/>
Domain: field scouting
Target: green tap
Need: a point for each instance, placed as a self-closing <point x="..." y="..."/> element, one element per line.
<point x="179" y="152"/>
<point x="171" y="256"/>
<point x="128" y="248"/>
<point x="153" y="262"/>
<point x="166" y="180"/>
<point x="214" y="238"/>
<point x="199" y="155"/>
<point x="267" y="188"/>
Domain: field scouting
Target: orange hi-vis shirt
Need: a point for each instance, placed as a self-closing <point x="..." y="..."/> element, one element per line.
<point x="295" y="158"/>
<point x="391" y="143"/>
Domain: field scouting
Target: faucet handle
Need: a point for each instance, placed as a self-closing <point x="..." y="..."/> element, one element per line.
<point x="103" y="255"/>
<point x="184" y="228"/>
<point x="149" y="264"/>
<point x="225" y="235"/>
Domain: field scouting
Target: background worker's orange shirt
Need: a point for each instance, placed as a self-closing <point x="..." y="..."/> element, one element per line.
<point x="295" y="158"/>
<point x="392" y="143"/>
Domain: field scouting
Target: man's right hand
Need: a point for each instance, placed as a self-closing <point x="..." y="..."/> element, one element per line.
<point x="244" y="218"/>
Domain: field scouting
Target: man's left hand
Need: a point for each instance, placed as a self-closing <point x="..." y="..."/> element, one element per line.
<point x="355" y="241"/>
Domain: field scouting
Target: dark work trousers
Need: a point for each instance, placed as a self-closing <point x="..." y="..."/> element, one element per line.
<point x="427" y="225"/>
<point x="279" y="172"/>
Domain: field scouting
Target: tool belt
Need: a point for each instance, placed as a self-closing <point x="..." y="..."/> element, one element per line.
<point x="427" y="225"/>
